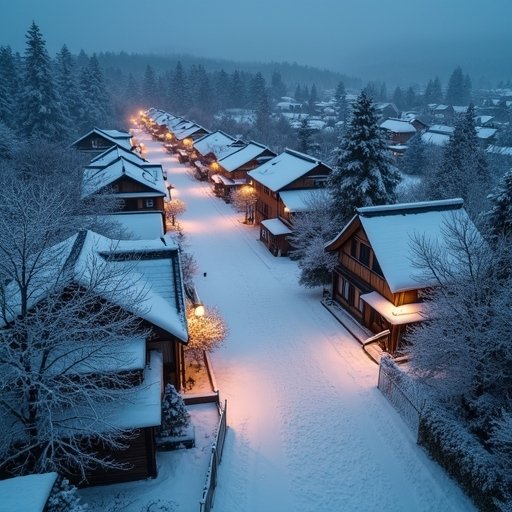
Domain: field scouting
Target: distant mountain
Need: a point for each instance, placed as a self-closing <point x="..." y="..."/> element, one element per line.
<point x="291" y="73"/>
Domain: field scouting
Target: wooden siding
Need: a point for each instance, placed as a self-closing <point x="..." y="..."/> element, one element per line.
<point x="139" y="456"/>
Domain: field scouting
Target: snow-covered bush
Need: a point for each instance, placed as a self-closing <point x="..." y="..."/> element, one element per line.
<point x="175" y="417"/>
<point x="464" y="458"/>
<point x="65" y="498"/>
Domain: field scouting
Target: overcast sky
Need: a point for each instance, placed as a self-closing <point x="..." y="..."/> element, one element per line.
<point x="367" y="38"/>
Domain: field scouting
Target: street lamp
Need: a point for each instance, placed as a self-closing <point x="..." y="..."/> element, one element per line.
<point x="198" y="306"/>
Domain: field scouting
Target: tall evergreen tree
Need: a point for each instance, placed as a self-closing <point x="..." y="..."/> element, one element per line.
<point x="340" y="96"/>
<point x="260" y="102"/>
<point x="410" y="98"/>
<point x="415" y="160"/>
<point x="40" y="111"/>
<point x="313" y="98"/>
<point x="9" y="87"/>
<point x="277" y="86"/>
<point x="463" y="171"/>
<point x="179" y="99"/>
<point x="305" y="136"/>
<point x="459" y="88"/>
<point x="237" y="90"/>
<point x="149" y="87"/>
<point x="364" y="174"/>
<point x="68" y="88"/>
<point x="398" y="98"/>
<point x="500" y="214"/>
<point x="222" y="92"/>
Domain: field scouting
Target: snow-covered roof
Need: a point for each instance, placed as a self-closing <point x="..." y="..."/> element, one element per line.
<point x="141" y="276"/>
<point x="442" y="128"/>
<point x="150" y="175"/>
<point x="460" y="109"/>
<point x="398" y="126"/>
<point x="26" y="493"/>
<point x="214" y="143"/>
<point x="395" y="315"/>
<point x="276" y="226"/>
<point x="113" y="154"/>
<point x="242" y="156"/>
<point x="391" y="230"/>
<point x="187" y="132"/>
<point x="483" y="120"/>
<point x="485" y="133"/>
<point x="300" y="200"/>
<point x="438" y="139"/>
<point x="500" y="150"/>
<point x="284" y="169"/>
<point x="143" y="225"/>
<point x="122" y="139"/>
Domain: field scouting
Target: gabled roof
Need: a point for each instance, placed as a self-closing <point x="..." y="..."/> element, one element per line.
<point x="114" y="153"/>
<point x="28" y="493"/>
<point x="114" y="136"/>
<point x="398" y="126"/>
<point x="242" y="156"/>
<point x="391" y="230"/>
<point x="183" y="133"/>
<point x="150" y="175"/>
<point x="214" y="142"/>
<point x="299" y="200"/>
<point x="146" y="269"/>
<point x="284" y="169"/>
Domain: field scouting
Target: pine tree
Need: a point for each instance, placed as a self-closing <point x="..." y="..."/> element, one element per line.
<point x="175" y="417"/>
<point x="364" y="174"/>
<point x="464" y="171"/>
<point x="298" y="94"/>
<point x="305" y="136"/>
<point x="313" y="97"/>
<point x="95" y="95"/>
<point x="414" y="161"/>
<point x="410" y="98"/>
<point x="260" y="103"/>
<point x="67" y="84"/>
<point x="9" y="88"/>
<point x="398" y="98"/>
<point x="39" y="111"/>
<point x="149" y="87"/>
<point x="340" y="97"/>
<point x="459" y="88"/>
<point x="237" y="90"/>
<point x="277" y="86"/>
<point x="500" y="214"/>
<point x="222" y="92"/>
<point x="179" y="99"/>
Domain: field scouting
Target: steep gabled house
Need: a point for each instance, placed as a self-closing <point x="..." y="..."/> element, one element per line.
<point x="233" y="168"/>
<point x="114" y="153"/>
<point x="182" y="139"/>
<point x="151" y="358"/>
<point x="97" y="141"/>
<point x="375" y="279"/>
<point x="289" y="171"/>
<point x="397" y="131"/>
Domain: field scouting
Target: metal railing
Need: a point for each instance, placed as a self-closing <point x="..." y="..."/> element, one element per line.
<point x="206" y="503"/>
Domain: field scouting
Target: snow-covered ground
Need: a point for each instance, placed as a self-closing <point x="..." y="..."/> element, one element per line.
<point x="309" y="431"/>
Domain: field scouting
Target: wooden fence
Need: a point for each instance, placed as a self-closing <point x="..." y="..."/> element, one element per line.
<point x="206" y="503"/>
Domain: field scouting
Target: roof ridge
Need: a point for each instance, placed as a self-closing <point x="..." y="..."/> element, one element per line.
<point x="403" y="208"/>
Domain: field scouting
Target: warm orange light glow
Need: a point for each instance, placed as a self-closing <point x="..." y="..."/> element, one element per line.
<point x="187" y="142"/>
<point x="168" y="136"/>
<point x="199" y="310"/>
<point x="214" y="166"/>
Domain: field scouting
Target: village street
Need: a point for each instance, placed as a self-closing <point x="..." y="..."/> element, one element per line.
<point x="308" y="429"/>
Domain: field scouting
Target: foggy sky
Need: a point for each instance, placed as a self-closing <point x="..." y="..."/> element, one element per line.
<point x="373" y="39"/>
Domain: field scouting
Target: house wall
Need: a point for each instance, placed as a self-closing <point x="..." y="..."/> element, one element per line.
<point x="140" y="456"/>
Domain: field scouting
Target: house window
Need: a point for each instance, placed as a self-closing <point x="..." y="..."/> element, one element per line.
<point x="347" y="291"/>
<point x="376" y="267"/>
<point x="149" y="203"/>
<point x="353" y="248"/>
<point x="364" y="254"/>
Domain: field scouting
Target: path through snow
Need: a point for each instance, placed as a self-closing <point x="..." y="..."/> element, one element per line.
<point x="309" y="431"/>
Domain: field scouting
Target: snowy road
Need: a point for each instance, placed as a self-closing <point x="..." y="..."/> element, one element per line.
<point x="309" y="431"/>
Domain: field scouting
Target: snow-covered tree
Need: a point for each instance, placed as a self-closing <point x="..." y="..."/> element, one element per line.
<point x="173" y="209"/>
<point x="500" y="213"/>
<point x="463" y="171"/>
<point x="277" y="86"/>
<point x="40" y="113"/>
<point x="8" y="142"/>
<point x="244" y="200"/>
<point x="415" y="159"/>
<point x="463" y="351"/>
<point x="459" y="88"/>
<point x="364" y="174"/>
<point x="205" y="332"/>
<point x="9" y="88"/>
<point x="340" y="96"/>
<point x="65" y="498"/>
<point x="175" y="417"/>
<point x="312" y="229"/>
<point x="305" y="136"/>
<point x="189" y="265"/>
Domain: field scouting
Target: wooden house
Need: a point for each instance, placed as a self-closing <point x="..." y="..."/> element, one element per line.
<point x="233" y="168"/>
<point x="153" y="357"/>
<point x="97" y="141"/>
<point x="375" y="279"/>
<point x="140" y="186"/>
<point x="386" y="110"/>
<point x="289" y="171"/>
<point x="397" y="131"/>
